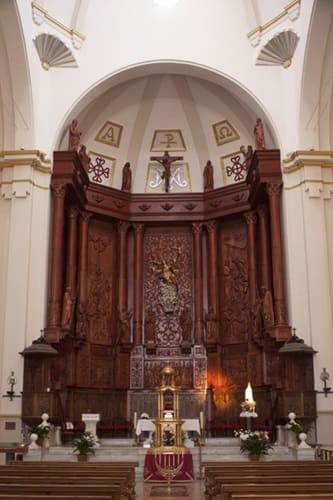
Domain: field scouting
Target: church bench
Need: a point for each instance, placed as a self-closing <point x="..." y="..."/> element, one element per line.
<point x="273" y="496"/>
<point x="23" y="496"/>
<point x="98" y="465"/>
<point x="228" y="490"/>
<point x="119" y="478"/>
<point x="95" y="490"/>
<point x="96" y="468"/>
<point x="218" y="474"/>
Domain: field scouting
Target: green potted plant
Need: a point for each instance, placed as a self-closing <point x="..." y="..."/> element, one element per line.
<point x="298" y="429"/>
<point x="41" y="431"/>
<point x="84" y="445"/>
<point x="255" y="443"/>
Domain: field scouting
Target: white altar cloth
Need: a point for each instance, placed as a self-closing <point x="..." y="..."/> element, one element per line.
<point x="147" y="425"/>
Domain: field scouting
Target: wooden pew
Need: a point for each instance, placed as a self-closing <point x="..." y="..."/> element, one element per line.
<point x="228" y="491"/>
<point x="296" y="496"/>
<point x="220" y="474"/>
<point x="93" y="490"/>
<point x="97" y="480"/>
<point x="8" y="496"/>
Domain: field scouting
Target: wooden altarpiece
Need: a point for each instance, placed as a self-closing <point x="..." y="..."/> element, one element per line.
<point x="138" y="282"/>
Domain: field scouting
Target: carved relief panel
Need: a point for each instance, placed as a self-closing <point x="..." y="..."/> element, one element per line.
<point x="101" y="282"/>
<point x="168" y="288"/>
<point x="234" y="282"/>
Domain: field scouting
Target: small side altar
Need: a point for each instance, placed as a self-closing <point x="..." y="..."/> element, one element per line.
<point x="168" y="460"/>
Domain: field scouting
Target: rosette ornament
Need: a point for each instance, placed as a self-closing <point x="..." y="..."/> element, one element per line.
<point x="53" y="52"/>
<point x="279" y="50"/>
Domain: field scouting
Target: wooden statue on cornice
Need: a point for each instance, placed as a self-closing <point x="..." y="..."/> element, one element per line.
<point x="208" y="176"/>
<point x="127" y="178"/>
<point x="74" y="136"/>
<point x="247" y="155"/>
<point x="259" y="134"/>
<point x="84" y="157"/>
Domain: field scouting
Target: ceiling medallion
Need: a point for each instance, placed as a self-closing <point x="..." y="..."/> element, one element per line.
<point x="53" y="52"/>
<point x="279" y="50"/>
<point x="165" y="3"/>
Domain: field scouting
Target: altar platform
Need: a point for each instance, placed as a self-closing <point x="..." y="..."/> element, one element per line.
<point x="218" y="449"/>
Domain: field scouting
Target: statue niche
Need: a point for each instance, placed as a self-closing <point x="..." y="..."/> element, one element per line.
<point x="167" y="284"/>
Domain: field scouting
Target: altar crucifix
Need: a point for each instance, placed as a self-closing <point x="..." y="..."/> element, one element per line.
<point x="166" y="161"/>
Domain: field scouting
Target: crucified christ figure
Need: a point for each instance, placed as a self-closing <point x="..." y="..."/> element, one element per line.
<point x="166" y="161"/>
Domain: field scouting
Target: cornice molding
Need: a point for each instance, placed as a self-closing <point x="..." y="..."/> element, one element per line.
<point x="291" y="10"/>
<point x="23" y="170"/>
<point x="39" y="14"/>
<point x="311" y="169"/>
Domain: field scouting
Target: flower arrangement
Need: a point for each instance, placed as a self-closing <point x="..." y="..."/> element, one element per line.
<point x="42" y="431"/>
<point x="254" y="442"/>
<point x="85" y="444"/>
<point x="296" y="427"/>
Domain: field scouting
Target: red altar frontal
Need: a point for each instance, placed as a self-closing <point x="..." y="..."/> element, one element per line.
<point x="168" y="467"/>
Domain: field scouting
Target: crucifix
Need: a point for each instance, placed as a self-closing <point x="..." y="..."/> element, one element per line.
<point x="166" y="161"/>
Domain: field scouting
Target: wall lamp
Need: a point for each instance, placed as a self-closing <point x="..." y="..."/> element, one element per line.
<point x="324" y="377"/>
<point x="12" y="381"/>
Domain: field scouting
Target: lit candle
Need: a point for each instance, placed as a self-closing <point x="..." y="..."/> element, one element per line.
<point x="249" y="394"/>
<point x="201" y="420"/>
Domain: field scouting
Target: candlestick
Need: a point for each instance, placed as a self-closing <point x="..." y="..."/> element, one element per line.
<point x="135" y="420"/>
<point x="201" y="420"/>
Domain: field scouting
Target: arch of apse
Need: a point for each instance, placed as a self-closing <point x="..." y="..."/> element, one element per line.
<point x="184" y="68"/>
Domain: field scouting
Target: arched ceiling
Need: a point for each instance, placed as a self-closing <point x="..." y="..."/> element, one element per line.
<point x="188" y="116"/>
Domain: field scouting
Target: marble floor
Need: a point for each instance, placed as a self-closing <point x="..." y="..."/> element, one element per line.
<point x="190" y="490"/>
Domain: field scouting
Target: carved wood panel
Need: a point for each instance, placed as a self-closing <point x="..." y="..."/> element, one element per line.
<point x="102" y="294"/>
<point x="234" y="282"/>
<point x="168" y="281"/>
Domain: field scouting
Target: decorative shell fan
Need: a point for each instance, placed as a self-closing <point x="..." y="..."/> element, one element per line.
<point x="53" y="52"/>
<point x="279" y="50"/>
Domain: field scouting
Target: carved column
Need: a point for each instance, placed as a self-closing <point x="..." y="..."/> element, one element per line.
<point x="264" y="240"/>
<point x="274" y="191"/>
<point x="251" y="220"/>
<point x="122" y="300"/>
<point x="198" y="298"/>
<point x="83" y="263"/>
<point x="56" y="264"/>
<point x="71" y="264"/>
<point x="212" y="260"/>
<point x="138" y="283"/>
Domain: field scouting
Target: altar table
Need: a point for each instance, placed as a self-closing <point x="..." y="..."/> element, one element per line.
<point x="168" y="467"/>
<point x="147" y="425"/>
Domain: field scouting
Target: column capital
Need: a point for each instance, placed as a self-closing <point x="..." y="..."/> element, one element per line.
<point x="273" y="189"/>
<point x="211" y="226"/>
<point x="138" y="228"/>
<point x="251" y="217"/>
<point x="123" y="226"/>
<point x="73" y="212"/>
<point x="262" y="211"/>
<point x="197" y="227"/>
<point x="85" y="216"/>
<point x="59" y="190"/>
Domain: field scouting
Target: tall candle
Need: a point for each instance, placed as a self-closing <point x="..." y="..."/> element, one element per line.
<point x="249" y="394"/>
<point x="201" y="420"/>
<point x="135" y="419"/>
